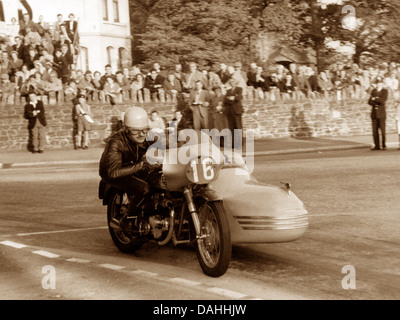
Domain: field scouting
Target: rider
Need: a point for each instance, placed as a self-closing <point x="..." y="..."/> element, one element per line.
<point x="123" y="164"/>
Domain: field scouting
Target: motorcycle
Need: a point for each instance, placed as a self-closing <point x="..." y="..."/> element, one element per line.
<point x="181" y="208"/>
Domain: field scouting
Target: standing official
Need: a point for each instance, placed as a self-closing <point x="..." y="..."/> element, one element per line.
<point x="377" y="100"/>
<point x="199" y="102"/>
<point x="234" y="110"/>
<point x="35" y="114"/>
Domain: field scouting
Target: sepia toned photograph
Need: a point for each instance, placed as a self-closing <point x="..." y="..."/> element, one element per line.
<point x="199" y="158"/>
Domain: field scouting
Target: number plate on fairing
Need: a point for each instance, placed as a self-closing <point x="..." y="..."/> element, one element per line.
<point x="202" y="170"/>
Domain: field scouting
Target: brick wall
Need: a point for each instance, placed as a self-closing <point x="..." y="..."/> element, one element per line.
<point x="269" y="119"/>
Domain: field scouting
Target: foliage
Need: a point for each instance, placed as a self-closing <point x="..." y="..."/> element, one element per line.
<point x="224" y="30"/>
<point x="200" y="31"/>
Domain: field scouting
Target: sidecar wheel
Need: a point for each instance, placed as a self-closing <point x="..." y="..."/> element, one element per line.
<point x="125" y="243"/>
<point x="214" y="248"/>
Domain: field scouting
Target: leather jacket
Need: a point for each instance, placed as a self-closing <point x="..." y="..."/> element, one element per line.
<point x="122" y="157"/>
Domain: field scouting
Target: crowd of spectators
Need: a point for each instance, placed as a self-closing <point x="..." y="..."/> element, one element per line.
<point x="35" y="56"/>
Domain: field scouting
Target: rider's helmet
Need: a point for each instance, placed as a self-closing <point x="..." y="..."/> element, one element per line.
<point x="136" y="118"/>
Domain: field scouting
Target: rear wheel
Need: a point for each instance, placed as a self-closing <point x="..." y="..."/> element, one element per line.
<point x="214" y="247"/>
<point x="116" y="211"/>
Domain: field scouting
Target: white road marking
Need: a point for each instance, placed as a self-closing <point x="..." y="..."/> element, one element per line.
<point x="227" y="293"/>
<point x="78" y="260"/>
<point x="145" y="273"/>
<point x="13" y="244"/>
<point x="59" y="231"/>
<point x="184" y="282"/>
<point x="111" y="266"/>
<point x="46" y="254"/>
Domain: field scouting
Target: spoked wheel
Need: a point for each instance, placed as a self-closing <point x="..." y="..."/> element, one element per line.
<point x="116" y="210"/>
<point x="214" y="248"/>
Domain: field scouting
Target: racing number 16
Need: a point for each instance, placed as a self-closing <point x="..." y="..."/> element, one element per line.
<point x="203" y="172"/>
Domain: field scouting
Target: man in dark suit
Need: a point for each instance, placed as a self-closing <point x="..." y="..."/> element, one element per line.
<point x="377" y="100"/>
<point x="234" y="109"/>
<point x="35" y="114"/>
<point x="71" y="27"/>
<point x="199" y="102"/>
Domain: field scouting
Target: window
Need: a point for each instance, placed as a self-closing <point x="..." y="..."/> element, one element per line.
<point x="116" y="10"/>
<point x="105" y="10"/>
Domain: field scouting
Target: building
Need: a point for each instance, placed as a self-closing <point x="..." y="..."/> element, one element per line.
<point x="103" y="26"/>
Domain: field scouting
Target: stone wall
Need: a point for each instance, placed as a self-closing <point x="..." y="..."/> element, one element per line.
<point x="268" y="119"/>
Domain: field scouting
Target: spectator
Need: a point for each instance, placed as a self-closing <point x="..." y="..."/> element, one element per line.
<point x="71" y="27"/>
<point x="160" y="73"/>
<point x="31" y="57"/>
<point x="137" y="86"/>
<point x="4" y="62"/>
<point x="325" y="85"/>
<point x="240" y="76"/>
<point x="21" y="77"/>
<point x="20" y="47"/>
<point x="156" y="122"/>
<point x="87" y="84"/>
<point x="98" y="87"/>
<point x="39" y="68"/>
<point x="251" y="74"/>
<point x="61" y="65"/>
<point x="259" y="81"/>
<point x="15" y="65"/>
<point x="54" y="86"/>
<point x="218" y="118"/>
<point x="172" y="86"/>
<point x="127" y="74"/>
<point x="7" y="89"/>
<point x="154" y="82"/>
<point x="108" y="73"/>
<point x="199" y="102"/>
<point x="34" y="112"/>
<point x="26" y="23"/>
<point x="39" y="84"/>
<point x="192" y="77"/>
<point x="223" y="73"/>
<point x="173" y="124"/>
<point x="43" y="28"/>
<point x="312" y="79"/>
<point x="178" y="74"/>
<point x="13" y="30"/>
<point x="124" y="84"/>
<point x="377" y="100"/>
<point x="46" y="45"/>
<point x="234" y="110"/>
<point x="71" y="91"/>
<point x="32" y="38"/>
<point x="57" y="27"/>
<point x="84" y="125"/>
<point x="112" y="90"/>
<point x="213" y="79"/>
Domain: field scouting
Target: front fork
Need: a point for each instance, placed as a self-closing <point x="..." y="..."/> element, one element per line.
<point x="187" y="192"/>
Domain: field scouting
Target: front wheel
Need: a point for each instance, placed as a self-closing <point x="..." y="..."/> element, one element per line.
<point x="214" y="247"/>
<point x="116" y="210"/>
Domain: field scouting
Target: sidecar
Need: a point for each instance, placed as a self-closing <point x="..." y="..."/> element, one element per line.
<point x="258" y="212"/>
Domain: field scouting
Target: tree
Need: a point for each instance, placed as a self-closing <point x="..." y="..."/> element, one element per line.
<point x="203" y="31"/>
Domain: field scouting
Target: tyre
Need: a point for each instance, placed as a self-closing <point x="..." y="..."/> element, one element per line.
<point x="214" y="248"/>
<point x="116" y="209"/>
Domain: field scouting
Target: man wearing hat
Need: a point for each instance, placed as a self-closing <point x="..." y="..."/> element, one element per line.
<point x="377" y="101"/>
<point x="35" y="114"/>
